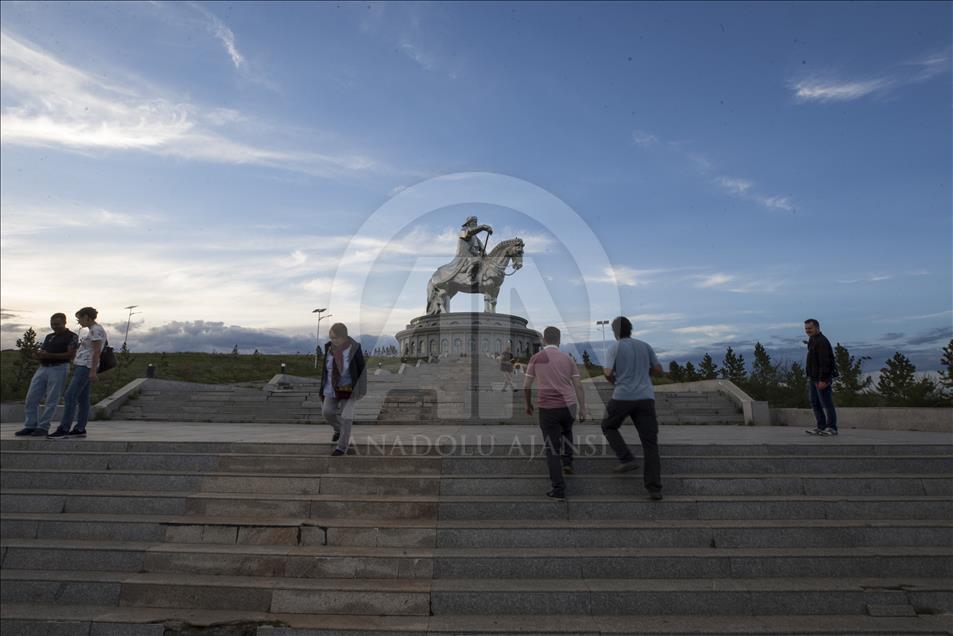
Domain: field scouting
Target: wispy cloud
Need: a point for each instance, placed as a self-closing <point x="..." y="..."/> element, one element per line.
<point x="223" y="33"/>
<point x="642" y="138"/>
<point x="829" y="89"/>
<point x="52" y="104"/>
<point x="736" y="285"/>
<point x="814" y="90"/>
<point x="738" y="187"/>
<point x="743" y="188"/>
<point x="624" y="276"/>
<point x="714" y="280"/>
<point x="873" y="278"/>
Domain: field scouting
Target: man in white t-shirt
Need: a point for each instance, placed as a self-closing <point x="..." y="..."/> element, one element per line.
<point x="85" y="364"/>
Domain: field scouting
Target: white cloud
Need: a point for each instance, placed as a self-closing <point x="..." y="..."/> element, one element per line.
<point x="223" y="33"/>
<point x="644" y="139"/>
<point x="714" y="280"/>
<point x="832" y="91"/>
<point x="655" y="318"/>
<point x="872" y="278"/>
<point x="744" y="189"/>
<point x="734" y="186"/>
<point x="706" y="333"/>
<point x="49" y="103"/>
<point x="826" y="89"/>
<point x="624" y="276"/>
<point x="423" y="59"/>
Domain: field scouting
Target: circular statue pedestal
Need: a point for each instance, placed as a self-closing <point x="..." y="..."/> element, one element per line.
<point x="467" y="333"/>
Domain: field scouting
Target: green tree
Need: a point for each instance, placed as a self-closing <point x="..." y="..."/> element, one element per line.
<point x="850" y="382"/>
<point x="763" y="371"/>
<point x="733" y="367"/>
<point x="691" y="375"/>
<point x="124" y="359"/>
<point x="25" y="364"/>
<point x="899" y="385"/>
<point x="946" y="373"/>
<point x="795" y="387"/>
<point x="707" y="368"/>
<point x="675" y="372"/>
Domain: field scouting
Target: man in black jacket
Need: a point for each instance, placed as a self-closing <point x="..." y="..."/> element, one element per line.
<point x="343" y="383"/>
<point x="821" y="371"/>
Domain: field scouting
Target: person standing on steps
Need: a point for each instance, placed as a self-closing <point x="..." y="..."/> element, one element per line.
<point x="821" y="370"/>
<point x="558" y="395"/>
<point x="343" y="383"/>
<point x="629" y="365"/>
<point x="48" y="382"/>
<point x="85" y="365"/>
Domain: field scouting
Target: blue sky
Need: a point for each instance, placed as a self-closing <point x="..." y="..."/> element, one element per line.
<point x="718" y="172"/>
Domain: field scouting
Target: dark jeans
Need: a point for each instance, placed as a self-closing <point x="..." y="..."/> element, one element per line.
<point x="76" y="400"/>
<point x="822" y="401"/>
<point x="642" y="413"/>
<point x="556" y="425"/>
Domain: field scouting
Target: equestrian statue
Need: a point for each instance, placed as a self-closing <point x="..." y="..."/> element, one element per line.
<point x="472" y="270"/>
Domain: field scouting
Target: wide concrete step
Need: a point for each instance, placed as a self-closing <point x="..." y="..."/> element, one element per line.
<point x="490" y="534"/>
<point x="67" y="455"/>
<point x="57" y="620"/>
<point x="493" y="534"/>
<point x="345" y="483"/>
<point x="415" y="597"/>
<point x="715" y="597"/>
<point x="477" y="506"/>
<point x="393" y="597"/>
<point x="550" y="562"/>
<point x="473" y="442"/>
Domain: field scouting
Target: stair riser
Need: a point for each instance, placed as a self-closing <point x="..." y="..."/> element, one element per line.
<point x="695" y="537"/>
<point x="705" y="487"/>
<point x="476" y="443"/>
<point x="265" y="508"/>
<point x="543" y="509"/>
<point x="344" y="484"/>
<point x="222" y="533"/>
<point x="213" y="463"/>
<point x="563" y="567"/>
<point x="662" y="537"/>
<point x="526" y="463"/>
<point x="131" y="594"/>
<point x="694" y="603"/>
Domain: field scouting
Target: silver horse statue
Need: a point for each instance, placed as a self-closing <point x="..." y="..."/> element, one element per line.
<point x="481" y="274"/>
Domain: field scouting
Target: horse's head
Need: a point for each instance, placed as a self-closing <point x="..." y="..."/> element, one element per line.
<point x="504" y="251"/>
<point x="517" y="253"/>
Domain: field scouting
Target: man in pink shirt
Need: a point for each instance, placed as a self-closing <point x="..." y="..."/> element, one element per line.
<point x="558" y="393"/>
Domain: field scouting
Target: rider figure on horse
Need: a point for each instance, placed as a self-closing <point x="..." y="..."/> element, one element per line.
<point x="471" y="250"/>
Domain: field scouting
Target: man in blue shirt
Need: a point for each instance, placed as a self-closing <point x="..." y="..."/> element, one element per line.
<point x="629" y="366"/>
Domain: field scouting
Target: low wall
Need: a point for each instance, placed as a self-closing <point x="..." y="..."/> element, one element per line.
<point x="104" y="409"/>
<point x="933" y="420"/>
<point x="755" y="412"/>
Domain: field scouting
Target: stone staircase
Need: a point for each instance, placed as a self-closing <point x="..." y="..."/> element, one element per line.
<point x="438" y="393"/>
<point x="163" y="538"/>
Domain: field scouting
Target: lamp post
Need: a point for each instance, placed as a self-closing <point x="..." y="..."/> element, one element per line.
<point x="603" y="323"/>
<point x="125" y="338"/>
<point x="317" y="335"/>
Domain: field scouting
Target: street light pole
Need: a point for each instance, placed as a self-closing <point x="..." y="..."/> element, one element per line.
<point x="317" y="335"/>
<point x="603" y="323"/>
<point x="129" y="320"/>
